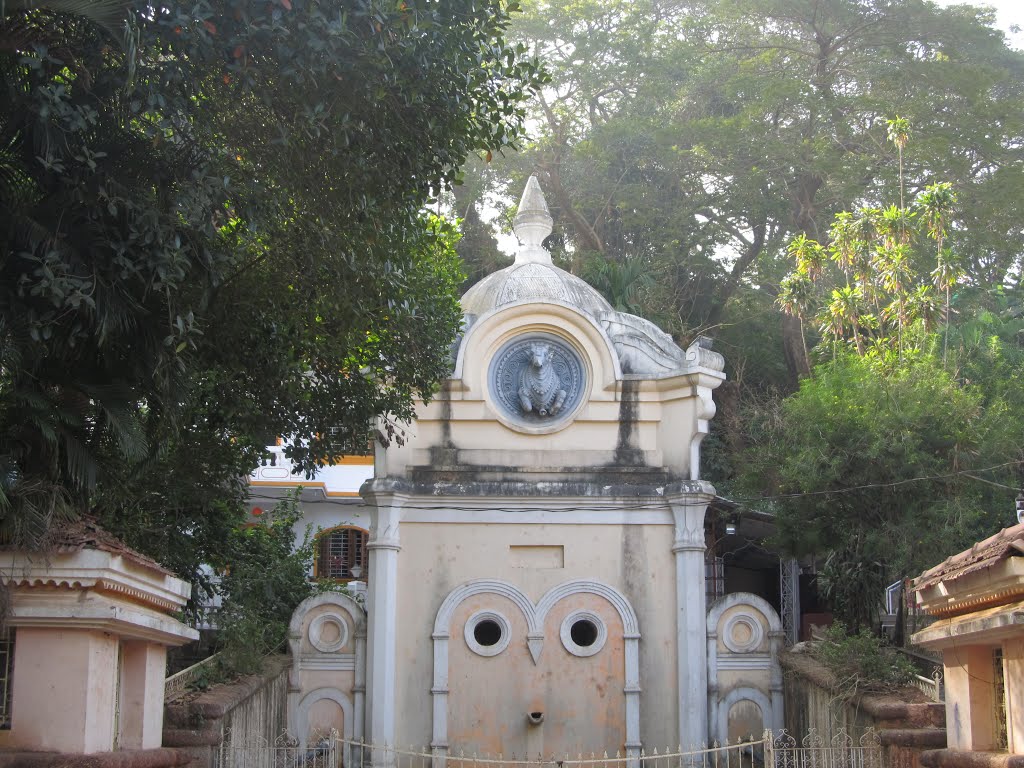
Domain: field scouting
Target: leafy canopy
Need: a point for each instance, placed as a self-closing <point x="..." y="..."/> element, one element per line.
<point x="873" y="468"/>
<point x="213" y="232"/>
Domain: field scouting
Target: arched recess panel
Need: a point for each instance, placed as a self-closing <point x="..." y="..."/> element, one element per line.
<point x="744" y="677"/>
<point x="546" y="658"/>
<point x="327" y="681"/>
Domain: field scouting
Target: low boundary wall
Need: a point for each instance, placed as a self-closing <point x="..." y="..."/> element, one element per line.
<point x="907" y="722"/>
<point x="253" y="709"/>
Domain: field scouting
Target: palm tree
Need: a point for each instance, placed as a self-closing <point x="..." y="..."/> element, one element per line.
<point x="796" y="297"/>
<point x="899" y="134"/>
<point x="936" y="206"/>
<point x="895" y="273"/>
<point x="809" y="255"/>
<point x="845" y="311"/>
<point x="845" y="245"/>
<point x="623" y="283"/>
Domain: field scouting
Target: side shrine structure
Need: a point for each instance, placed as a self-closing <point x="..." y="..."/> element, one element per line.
<point x="535" y="580"/>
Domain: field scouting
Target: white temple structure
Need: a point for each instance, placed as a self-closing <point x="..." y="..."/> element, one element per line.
<point x="534" y="567"/>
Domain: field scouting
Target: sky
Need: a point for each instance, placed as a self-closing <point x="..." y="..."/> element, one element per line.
<point x="1008" y="13"/>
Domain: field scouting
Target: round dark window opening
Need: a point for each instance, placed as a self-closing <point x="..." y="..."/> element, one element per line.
<point x="583" y="632"/>
<point x="487" y="633"/>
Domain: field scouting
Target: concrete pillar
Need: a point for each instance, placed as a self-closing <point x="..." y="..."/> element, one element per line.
<point x="359" y="689"/>
<point x="1013" y="674"/>
<point x="970" y="697"/>
<point x="382" y="617"/>
<point x="712" y="662"/>
<point x="689" y="502"/>
<point x="143" y="668"/>
<point x="775" y="720"/>
<point x="64" y="688"/>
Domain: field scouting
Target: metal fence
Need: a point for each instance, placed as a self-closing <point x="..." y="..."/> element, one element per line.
<point x="742" y="754"/>
<point x="285" y="752"/>
<point x="779" y="750"/>
<point x="783" y="751"/>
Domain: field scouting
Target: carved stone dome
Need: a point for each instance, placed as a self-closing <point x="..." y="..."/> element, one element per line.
<point x="532" y="277"/>
<point x="532" y="282"/>
<point x="640" y="346"/>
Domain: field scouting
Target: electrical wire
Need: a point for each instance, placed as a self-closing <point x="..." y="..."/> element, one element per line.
<point x="654" y="503"/>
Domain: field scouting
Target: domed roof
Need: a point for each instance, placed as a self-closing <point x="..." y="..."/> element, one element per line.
<point x="532" y="281"/>
<point x="532" y="277"/>
<point x="640" y="346"/>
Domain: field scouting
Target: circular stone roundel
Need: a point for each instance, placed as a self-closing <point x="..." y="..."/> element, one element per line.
<point x="328" y="633"/>
<point x="537" y="380"/>
<point x="591" y="636"/>
<point x="742" y="633"/>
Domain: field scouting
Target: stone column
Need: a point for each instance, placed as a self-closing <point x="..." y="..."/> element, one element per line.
<point x="382" y="615"/>
<point x="776" y="642"/>
<point x="143" y="668"/>
<point x="712" y="662"/>
<point x="359" y="688"/>
<point x="689" y="502"/>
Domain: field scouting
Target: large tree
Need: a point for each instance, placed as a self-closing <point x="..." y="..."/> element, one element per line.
<point x="698" y="136"/>
<point x="878" y="471"/>
<point x="213" y="231"/>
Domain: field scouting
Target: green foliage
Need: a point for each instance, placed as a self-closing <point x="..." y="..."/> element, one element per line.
<point x="873" y="277"/>
<point x="862" y="661"/>
<point x="698" y="137"/>
<point x="873" y="464"/>
<point x="213" y="231"/>
<point x="266" y="580"/>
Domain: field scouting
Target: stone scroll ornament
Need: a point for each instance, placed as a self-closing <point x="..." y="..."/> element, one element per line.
<point x="537" y="380"/>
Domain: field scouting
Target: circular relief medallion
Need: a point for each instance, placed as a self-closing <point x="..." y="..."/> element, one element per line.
<point x="328" y="633"/>
<point x="742" y="633"/>
<point x="537" y="380"/>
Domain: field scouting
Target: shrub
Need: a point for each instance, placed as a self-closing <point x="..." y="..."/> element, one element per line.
<point x="862" y="661"/>
<point x="267" y="579"/>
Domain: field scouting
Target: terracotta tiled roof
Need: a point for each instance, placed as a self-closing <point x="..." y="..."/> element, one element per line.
<point x="86" y="533"/>
<point x="1009" y="542"/>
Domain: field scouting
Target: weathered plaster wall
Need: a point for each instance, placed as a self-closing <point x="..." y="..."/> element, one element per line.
<point x="661" y="416"/>
<point x="143" y="670"/>
<point x="582" y="698"/>
<point x="84" y="682"/>
<point x="744" y="678"/>
<point x="327" y="642"/>
<point x="636" y="560"/>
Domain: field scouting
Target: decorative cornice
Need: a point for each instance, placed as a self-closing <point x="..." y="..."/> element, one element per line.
<point x="980" y="602"/>
<point x="97" y="611"/>
<point x="94" y="570"/>
<point x="700" y="355"/>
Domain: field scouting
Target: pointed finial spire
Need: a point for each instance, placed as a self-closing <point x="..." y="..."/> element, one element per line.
<point x="532" y="224"/>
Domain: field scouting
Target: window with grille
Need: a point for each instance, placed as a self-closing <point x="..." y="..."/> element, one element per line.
<point x="341" y="554"/>
<point x="714" y="579"/>
<point x="345" y="441"/>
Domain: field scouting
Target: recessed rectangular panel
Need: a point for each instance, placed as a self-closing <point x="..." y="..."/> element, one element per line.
<point x="546" y="556"/>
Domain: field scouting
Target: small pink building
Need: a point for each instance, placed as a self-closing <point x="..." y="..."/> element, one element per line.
<point x="88" y="626"/>
<point x="977" y="597"/>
